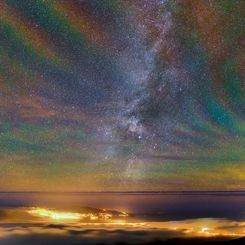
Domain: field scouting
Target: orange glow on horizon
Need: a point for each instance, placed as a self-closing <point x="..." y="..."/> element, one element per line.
<point x="114" y="220"/>
<point x="54" y="215"/>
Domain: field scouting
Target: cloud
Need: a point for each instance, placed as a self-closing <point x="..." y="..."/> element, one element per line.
<point x="35" y="230"/>
<point x="65" y="234"/>
<point x="3" y="214"/>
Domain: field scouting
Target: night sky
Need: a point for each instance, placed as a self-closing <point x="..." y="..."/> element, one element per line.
<point x="122" y="95"/>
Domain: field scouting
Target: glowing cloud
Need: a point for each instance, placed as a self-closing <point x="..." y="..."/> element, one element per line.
<point x="54" y="215"/>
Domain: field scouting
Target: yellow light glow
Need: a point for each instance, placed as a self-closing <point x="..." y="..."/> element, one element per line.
<point x="123" y="214"/>
<point x="54" y="215"/>
<point x="61" y="215"/>
<point x="99" y="219"/>
<point x="204" y="229"/>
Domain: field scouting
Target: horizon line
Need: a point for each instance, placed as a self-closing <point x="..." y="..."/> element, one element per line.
<point x="129" y="192"/>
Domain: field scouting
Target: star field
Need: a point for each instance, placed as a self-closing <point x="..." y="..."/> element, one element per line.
<point x="122" y="95"/>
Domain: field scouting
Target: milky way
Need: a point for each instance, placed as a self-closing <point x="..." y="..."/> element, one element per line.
<point x="122" y="95"/>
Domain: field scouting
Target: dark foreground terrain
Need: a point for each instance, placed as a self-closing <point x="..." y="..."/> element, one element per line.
<point x="239" y="241"/>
